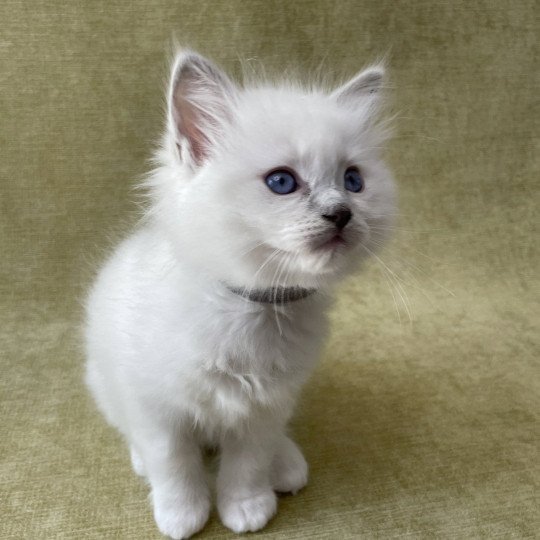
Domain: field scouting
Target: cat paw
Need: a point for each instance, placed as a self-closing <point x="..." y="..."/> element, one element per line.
<point x="179" y="520"/>
<point x="289" y="469"/>
<point x="248" y="514"/>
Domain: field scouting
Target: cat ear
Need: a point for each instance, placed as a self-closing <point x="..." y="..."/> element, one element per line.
<point x="367" y="83"/>
<point x="199" y="106"/>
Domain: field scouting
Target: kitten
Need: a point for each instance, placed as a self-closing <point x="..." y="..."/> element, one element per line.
<point x="204" y="324"/>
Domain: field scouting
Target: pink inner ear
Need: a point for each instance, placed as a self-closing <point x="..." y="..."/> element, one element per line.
<point x="199" y="105"/>
<point x="188" y="121"/>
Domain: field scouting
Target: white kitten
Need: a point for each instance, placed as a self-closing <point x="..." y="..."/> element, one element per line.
<point x="205" y="323"/>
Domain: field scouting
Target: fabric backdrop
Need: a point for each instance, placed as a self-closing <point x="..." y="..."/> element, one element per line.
<point x="422" y="418"/>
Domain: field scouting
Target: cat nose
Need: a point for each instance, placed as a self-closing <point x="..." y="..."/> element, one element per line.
<point x="340" y="217"/>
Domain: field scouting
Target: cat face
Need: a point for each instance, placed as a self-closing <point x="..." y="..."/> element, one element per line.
<point x="273" y="186"/>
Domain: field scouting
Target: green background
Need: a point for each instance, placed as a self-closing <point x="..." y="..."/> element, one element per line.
<point x="422" y="419"/>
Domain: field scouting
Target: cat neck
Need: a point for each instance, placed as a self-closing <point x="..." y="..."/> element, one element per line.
<point x="273" y="295"/>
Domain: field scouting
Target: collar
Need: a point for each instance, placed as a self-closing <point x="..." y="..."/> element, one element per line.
<point x="273" y="295"/>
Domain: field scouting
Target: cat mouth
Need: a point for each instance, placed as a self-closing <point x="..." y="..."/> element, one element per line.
<point x="332" y="243"/>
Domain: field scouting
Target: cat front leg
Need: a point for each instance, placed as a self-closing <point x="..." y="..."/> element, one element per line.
<point x="245" y="497"/>
<point x="289" y="471"/>
<point x="172" y="462"/>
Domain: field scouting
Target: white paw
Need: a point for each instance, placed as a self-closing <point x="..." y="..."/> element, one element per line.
<point x="289" y="469"/>
<point x="181" y="520"/>
<point x="136" y="462"/>
<point x="247" y="514"/>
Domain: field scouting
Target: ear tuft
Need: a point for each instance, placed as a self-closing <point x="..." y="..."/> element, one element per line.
<point x="198" y="106"/>
<point x="367" y="82"/>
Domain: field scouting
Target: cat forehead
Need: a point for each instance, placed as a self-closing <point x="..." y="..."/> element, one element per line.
<point x="289" y="123"/>
<point x="274" y="105"/>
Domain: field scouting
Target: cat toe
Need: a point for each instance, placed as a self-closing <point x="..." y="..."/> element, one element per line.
<point x="248" y="514"/>
<point x="180" y="521"/>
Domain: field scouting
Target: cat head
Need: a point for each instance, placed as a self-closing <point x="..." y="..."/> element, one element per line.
<point x="267" y="185"/>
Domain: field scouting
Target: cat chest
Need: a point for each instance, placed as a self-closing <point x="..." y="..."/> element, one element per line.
<point x="255" y="362"/>
<point x="261" y="343"/>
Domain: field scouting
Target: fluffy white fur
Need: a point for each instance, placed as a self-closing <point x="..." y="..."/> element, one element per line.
<point x="177" y="361"/>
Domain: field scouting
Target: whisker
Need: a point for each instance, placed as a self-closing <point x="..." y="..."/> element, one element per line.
<point x="396" y="280"/>
<point x="391" y="287"/>
<point x="401" y="229"/>
<point x="252" y="248"/>
<point x="265" y="262"/>
<point x="273" y="285"/>
<point x="418" y="269"/>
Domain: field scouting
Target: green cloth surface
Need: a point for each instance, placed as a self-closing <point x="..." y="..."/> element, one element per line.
<point x="422" y="418"/>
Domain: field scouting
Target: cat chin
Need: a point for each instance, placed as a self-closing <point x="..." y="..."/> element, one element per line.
<point x="305" y="275"/>
<point x="313" y="270"/>
<point x="321" y="264"/>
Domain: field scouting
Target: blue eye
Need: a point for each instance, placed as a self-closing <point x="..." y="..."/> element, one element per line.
<point x="353" y="180"/>
<point x="281" y="182"/>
